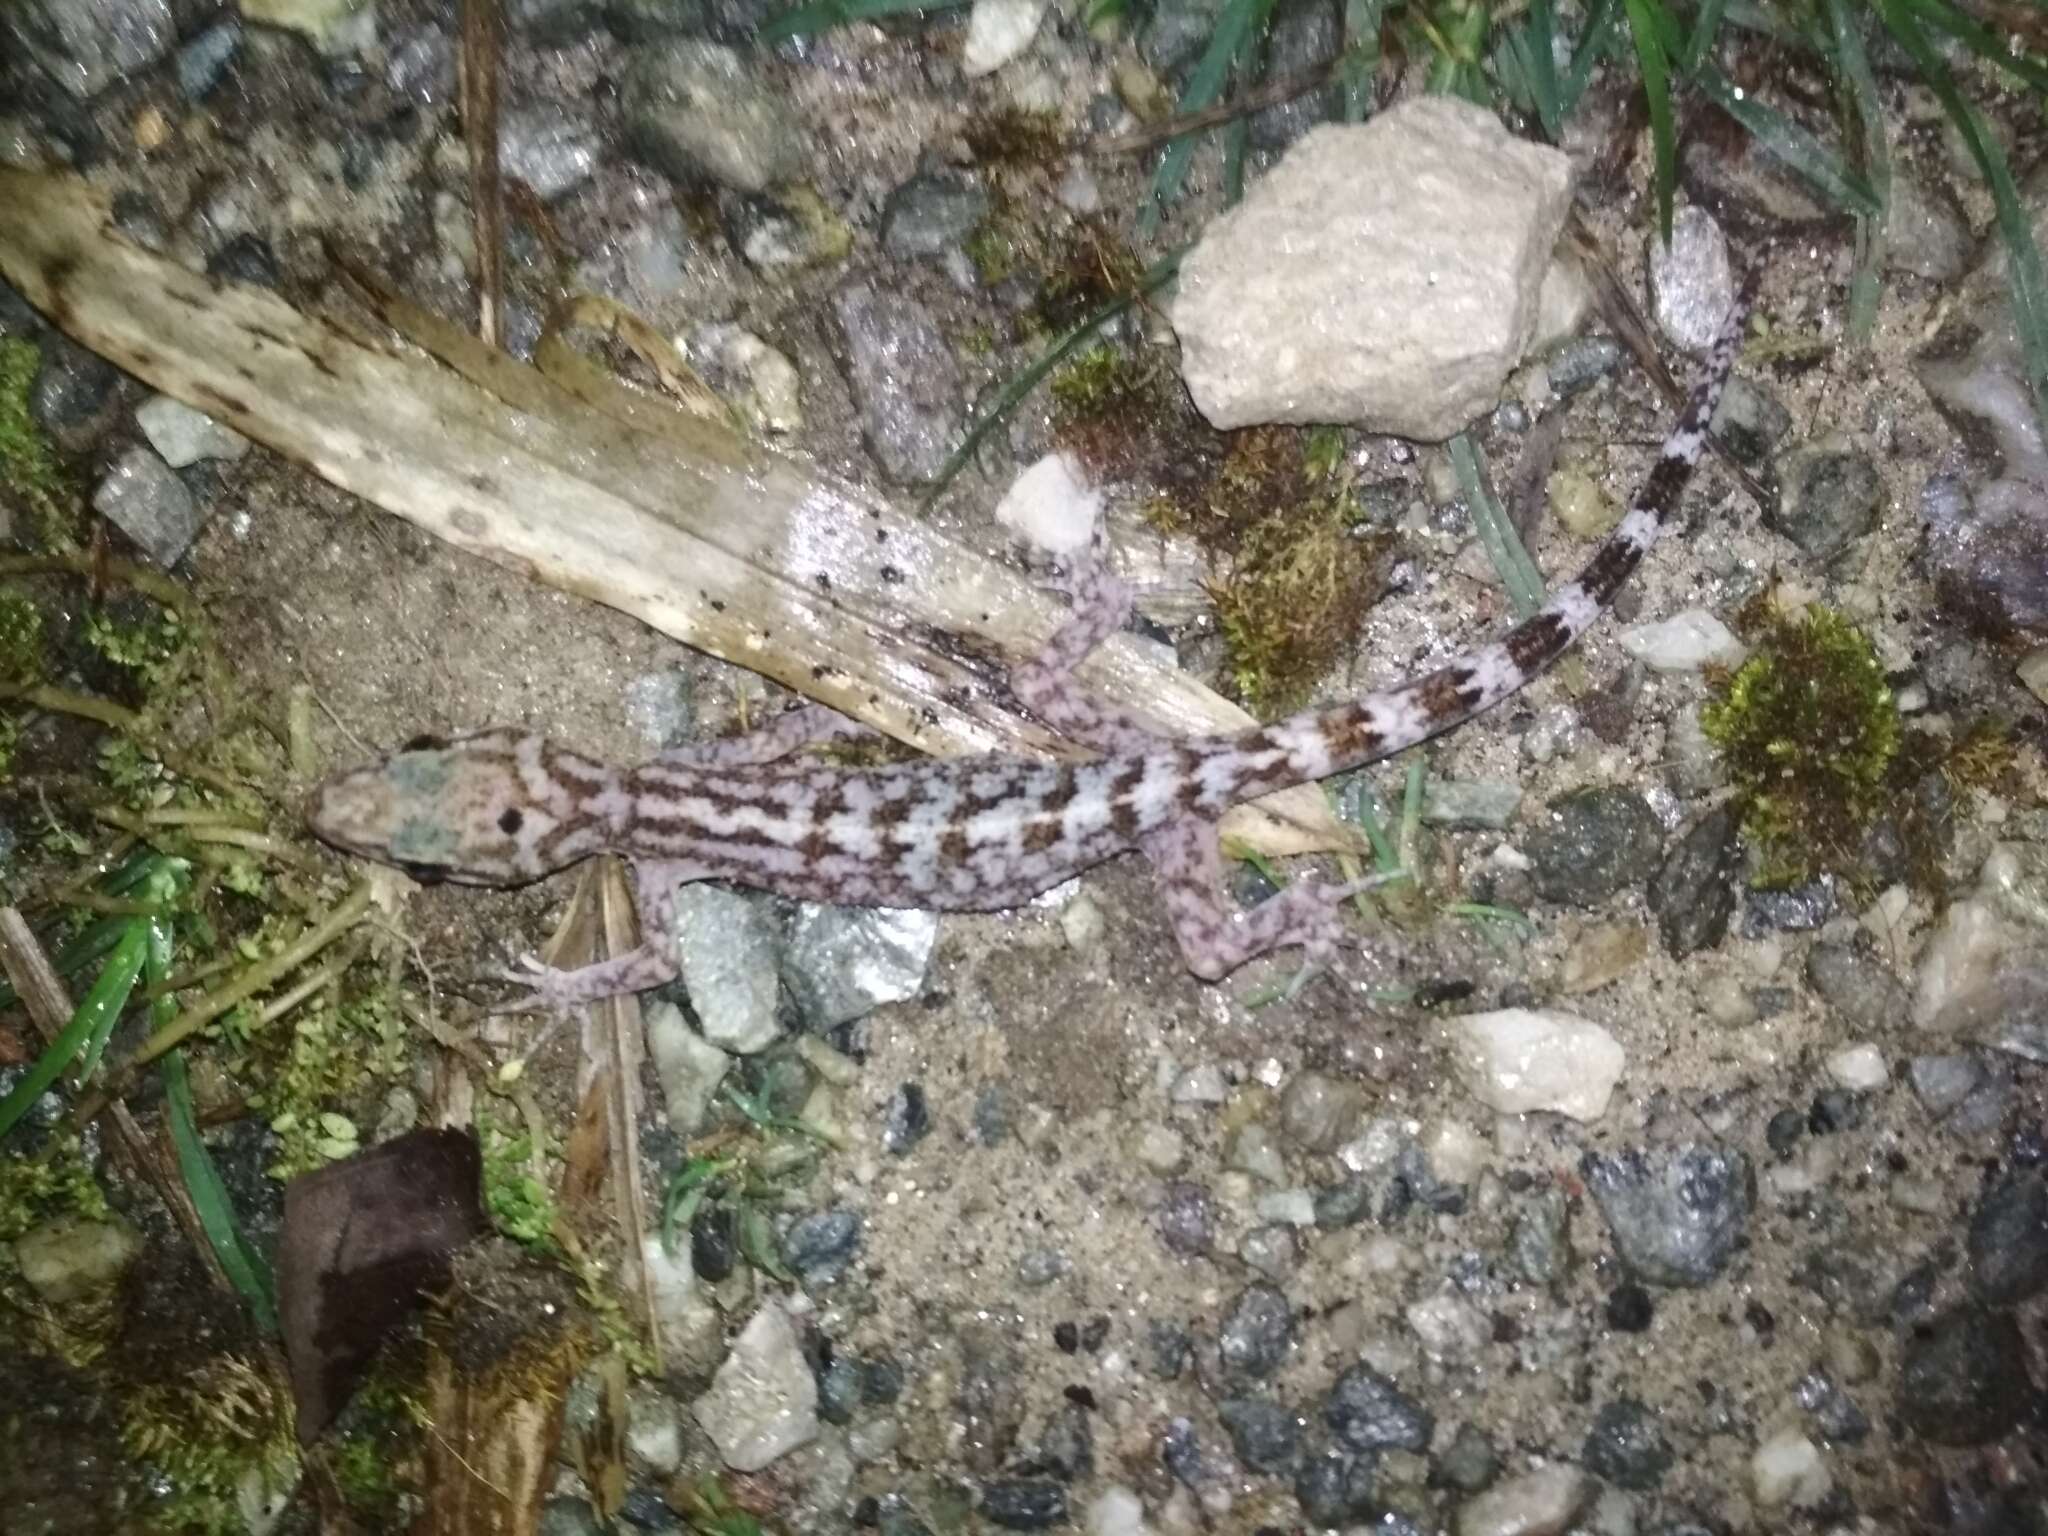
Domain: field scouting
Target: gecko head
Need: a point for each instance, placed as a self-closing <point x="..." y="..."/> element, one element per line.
<point x="439" y="810"/>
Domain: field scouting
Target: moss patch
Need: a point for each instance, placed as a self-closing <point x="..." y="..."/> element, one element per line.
<point x="1809" y="732"/>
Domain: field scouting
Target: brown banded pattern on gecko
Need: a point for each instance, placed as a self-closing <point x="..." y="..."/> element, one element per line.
<point x="504" y="807"/>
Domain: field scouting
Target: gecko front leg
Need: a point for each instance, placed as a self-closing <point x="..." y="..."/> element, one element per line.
<point x="648" y="964"/>
<point x="1045" y="684"/>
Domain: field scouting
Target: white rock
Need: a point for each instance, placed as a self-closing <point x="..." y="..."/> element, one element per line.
<point x="1457" y="1154"/>
<point x="763" y="1402"/>
<point x="182" y="436"/>
<point x="1052" y="506"/>
<point x="1691" y="279"/>
<point x="1201" y="1085"/>
<point x="69" y="1258"/>
<point x="1685" y="642"/>
<point x="1116" y="1511"/>
<point x="1538" y="1503"/>
<point x="654" y="1431"/>
<point x="1520" y="1059"/>
<point x="687" y="1324"/>
<point x="1964" y="955"/>
<point x="1428" y="228"/>
<point x="1788" y="1469"/>
<point x="1162" y="1149"/>
<point x="1449" y="1325"/>
<point x="336" y="27"/>
<point x="997" y="31"/>
<point x="1860" y="1066"/>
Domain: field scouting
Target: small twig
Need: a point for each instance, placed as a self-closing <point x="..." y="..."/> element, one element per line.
<point x="1268" y="93"/>
<point x="477" y="76"/>
<point x="151" y="584"/>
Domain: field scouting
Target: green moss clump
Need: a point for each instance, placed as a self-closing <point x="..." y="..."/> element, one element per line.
<point x="29" y="472"/>
<point x="1809" y="732"/>
<point x="21" y="639"/>
<point x="219" y="1436"/>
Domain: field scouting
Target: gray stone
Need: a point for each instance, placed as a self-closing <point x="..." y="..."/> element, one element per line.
<point x="904" y="378"/>
<point x="763" y="1402"/>
<point x="1858" y="986"/>
<point x="548" y="148"/>
<point x="71" y="385"/>
<point x="1487" y="804"/>
<point x="695" y="109"/>
<point x="1272" y="1250"/>
<point x="1428" y="228"/>
<point x="1256" y="1333"/>
<point x="1266" y="1436"/>
<point x="1592" y="843"/>
<point x="842" y="963"/>
<point x="205" y="59"/>
<point x="1943" y="1082"/>
<point x="932" y="213"/>
<point x="1023" y="1503"/>
<point x="1626" y="1445"/>
<point x="1925" y="233"/>
<point x="728" y="953"/>
<point x="821" y="1245"/>
<point x="87" y="45"/>
<point x="1469" y="1463"/>
<point x="1366" y="1412"/>
<point x="1692" y="282"/>
<point x="907" y="1121"/>
<point x="1693" y="893"/>
<point x="1835" y="1413"/>
<point x="1582" y="362"/>
<point x="1334" y="1488"/>
<point x="1963" y="1380"/>
<point x="1318" y="1113"/>
<point x="1988" y="553"/>
<point x="1828" y="497"/>
<point x="1677" y="1214"/>
<point x="1750" y="421"/>
<point x="2009" y="1239"/>
<point x="688" y="1067"/>
<point x="144" y="499"/>
<point x="1186" y="1219"/>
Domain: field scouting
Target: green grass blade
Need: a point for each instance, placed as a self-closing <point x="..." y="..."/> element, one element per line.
<point x="2023" y="256"/>
<point x="1358" y="70"/>
<point x="824" y="15"/>
<point x="1517" y="571"/>
<point x="1791" y="145"/>
<point x="1240" y="21"/>
<point x="1852" y="68"/>
<point x="1644" y="27"/>
<point x="242" y="1264"/>
<point x="1981" y="40"/>
<point x="1531" y="48"/>
<point x="109" y="995"/>
<point x="1706" y="27"/>
<point x="1027" y="379"/>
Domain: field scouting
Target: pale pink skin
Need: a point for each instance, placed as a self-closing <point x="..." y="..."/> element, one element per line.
<point x="504" y="807"/>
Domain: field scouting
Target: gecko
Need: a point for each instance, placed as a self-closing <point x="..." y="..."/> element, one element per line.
<point x="504" y="807"/>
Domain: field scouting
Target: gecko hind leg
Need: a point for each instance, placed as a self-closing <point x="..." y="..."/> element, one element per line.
<point x="808" y="725"/>
<point x="1217" y="937"/>
<point x="1045" y="684"/>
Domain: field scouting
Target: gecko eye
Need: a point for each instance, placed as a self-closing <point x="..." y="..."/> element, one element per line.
<point x="425" y="742"/>
<point x="425" y="874"/>
<point x="510" y="821"/>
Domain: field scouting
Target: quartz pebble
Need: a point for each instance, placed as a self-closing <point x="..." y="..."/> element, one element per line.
<point x="1520" y="1059"/>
